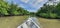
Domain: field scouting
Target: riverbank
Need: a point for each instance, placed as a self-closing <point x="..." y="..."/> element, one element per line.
<point x="49" y="23"/>
<point x="12" y="22"/>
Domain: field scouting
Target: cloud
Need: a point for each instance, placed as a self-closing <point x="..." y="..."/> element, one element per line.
<point x="30" y="5"/>
<point x="37" y="2"/>
<point x="26" y="1"/>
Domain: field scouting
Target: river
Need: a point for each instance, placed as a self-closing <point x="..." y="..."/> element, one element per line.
<point x="18" y="22"/>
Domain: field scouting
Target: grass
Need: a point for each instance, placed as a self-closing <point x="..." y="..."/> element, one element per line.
<point x="49" y="23"/>
<point x="11" y="22"/>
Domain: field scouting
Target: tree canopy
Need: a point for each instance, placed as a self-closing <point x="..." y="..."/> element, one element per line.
<point x="11" y="9"/>
<point x="49" y="11"/>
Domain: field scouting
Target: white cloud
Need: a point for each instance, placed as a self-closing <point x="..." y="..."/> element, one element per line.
<point x="37" y="2"/>
<point x="26" y="1"/>
<point x="33" y="4"/>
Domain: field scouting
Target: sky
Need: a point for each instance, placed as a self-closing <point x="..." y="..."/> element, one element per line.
<point x="30" y="5"/>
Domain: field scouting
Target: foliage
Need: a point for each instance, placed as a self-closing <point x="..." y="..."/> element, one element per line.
<point x="49" y="11"/>
<point x="11" y="9"/>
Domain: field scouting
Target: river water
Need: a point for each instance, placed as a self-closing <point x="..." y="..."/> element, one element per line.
<point x="13" y="21"/>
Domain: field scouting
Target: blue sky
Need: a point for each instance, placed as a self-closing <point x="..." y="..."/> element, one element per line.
<point x="30" y="5"/>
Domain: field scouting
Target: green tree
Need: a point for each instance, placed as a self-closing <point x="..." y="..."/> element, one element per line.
<point x="47" y="11"/>
<point x="3" y="7"/>
<point x="11" y="9"/>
